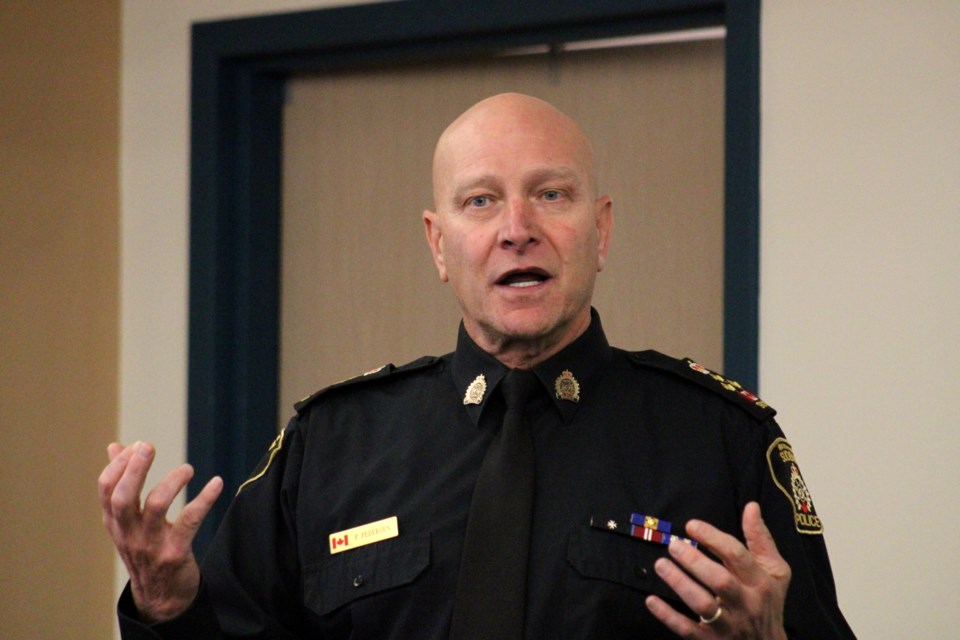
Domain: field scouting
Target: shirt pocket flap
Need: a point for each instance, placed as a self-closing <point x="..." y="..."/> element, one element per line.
<point x="363" y="572"/>
<point x="620" y="559"/>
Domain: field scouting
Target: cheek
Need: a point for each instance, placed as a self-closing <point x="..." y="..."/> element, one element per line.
<point x="462" y="264"/>
<point x="581" y="251"/>
<point x="583" y="262"/>
<point x="453" y="256"/>
<point x="469" y="249"/>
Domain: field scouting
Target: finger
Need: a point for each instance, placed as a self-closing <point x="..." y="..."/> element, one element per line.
<point x="125" y="500"/>
<point x="729" y="550"/>
<point x="193" y="514"/>
<point x="674" y="620"/>
<point x="111" y="474"/>
<point x="699" y="599"/>
<point x="761" y="544"/>
<point x="158" y="501"/>
<point x="717" y="578"/>
<point x="114" y="449"/>
<point x="759" y="539"/>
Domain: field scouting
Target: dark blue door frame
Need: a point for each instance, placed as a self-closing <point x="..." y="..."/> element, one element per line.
<point x="239" y="68"/>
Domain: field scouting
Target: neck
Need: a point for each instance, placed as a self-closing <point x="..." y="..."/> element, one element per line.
<point x="525" y="352"/>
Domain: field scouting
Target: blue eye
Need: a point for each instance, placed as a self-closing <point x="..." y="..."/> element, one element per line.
<point x="478" y="201"/>
<point x="552" y="195"/>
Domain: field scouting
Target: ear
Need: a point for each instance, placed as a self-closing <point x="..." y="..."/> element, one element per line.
<point x="604" y="212"/>
<point x="431" y="225"/>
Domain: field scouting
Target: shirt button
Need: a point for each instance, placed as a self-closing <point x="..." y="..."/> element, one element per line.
<point x="640" y="571"/>
<point x="358" y="581"/>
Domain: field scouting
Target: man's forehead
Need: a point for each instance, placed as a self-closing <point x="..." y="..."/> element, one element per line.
<point x="509" y="127"/>
<point x="491" y="164"/>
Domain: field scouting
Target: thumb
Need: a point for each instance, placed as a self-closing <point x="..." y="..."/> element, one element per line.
<point x="760" y="542"/>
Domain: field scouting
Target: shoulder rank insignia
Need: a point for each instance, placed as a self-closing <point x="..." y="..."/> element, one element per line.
<point x="696" y="372"/>
<point x="786" y="475"/>
<point x="379" y="373"/>
<point x="264" y="466"/>
<point x="730" y="385"/>
<point x="376" y="370"/>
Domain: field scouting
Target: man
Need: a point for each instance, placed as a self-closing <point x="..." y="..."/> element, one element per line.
<point x="648" y="473"/>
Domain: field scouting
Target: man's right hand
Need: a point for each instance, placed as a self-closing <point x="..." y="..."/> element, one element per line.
<point x="164" y="575"/>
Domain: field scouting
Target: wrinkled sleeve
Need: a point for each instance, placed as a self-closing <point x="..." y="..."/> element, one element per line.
<point x="199" y="622"/>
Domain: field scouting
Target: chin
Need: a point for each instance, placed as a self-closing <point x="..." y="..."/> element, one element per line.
<point x="530" y="325"/>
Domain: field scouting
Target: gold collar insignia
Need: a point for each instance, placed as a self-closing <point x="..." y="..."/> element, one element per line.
<point x="567" y="387"/>
<point x="476" y="390"/>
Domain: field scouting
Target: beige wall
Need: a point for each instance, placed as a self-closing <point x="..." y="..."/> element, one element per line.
<point x="859" y="275"/>
<point x="59" y="110"/>
<point x="860" y="297"/>
<point x="154" y="241"/>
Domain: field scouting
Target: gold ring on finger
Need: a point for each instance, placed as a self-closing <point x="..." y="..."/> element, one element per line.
<point x="714" y="617"/>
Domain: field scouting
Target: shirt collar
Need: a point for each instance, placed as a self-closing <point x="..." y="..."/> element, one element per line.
<point x="571" y="375"/>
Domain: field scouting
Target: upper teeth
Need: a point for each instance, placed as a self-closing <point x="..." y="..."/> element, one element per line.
<point x="524" y="283"/>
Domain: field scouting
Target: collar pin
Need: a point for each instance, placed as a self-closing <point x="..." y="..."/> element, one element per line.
<point x="476" y="390"/>
<point x="567" y="387"/>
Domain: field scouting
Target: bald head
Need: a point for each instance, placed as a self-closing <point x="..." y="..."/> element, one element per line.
<point x="518" y="231"/>
<point x="506" y="119"/>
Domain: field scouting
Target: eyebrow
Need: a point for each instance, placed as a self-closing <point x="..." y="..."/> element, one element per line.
<point x="545" y="174"/>
<point x="564" y="173"/>
<point x="484" y="180"/>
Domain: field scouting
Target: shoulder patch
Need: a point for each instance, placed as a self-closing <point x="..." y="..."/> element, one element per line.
<point x="379" y="373"/>
<point x="690" y="370"/>
<point x="786" y="475"/>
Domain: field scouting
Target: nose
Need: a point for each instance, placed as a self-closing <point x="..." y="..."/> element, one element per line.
<point x="519" y="228"/>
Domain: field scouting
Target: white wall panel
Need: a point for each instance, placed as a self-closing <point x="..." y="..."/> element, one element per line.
<point x="860" y="292"/>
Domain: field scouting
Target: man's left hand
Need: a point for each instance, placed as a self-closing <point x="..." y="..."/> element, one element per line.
<point x="744" y="592"/>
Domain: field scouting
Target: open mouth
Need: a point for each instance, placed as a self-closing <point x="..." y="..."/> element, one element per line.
<point x="523" y="278"/>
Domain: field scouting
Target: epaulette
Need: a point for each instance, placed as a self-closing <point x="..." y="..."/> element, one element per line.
<point x="379" y="373"/>
<point x="690" y="370"/>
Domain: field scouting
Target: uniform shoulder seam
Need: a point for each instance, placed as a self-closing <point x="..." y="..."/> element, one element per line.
<point x="690" y="370"/>
<point x="387" y="371"/>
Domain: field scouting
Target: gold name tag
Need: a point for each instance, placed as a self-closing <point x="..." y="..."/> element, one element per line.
<point x="364" y="534"/>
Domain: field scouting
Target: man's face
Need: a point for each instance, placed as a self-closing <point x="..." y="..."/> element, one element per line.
<point x="518" y="229"/>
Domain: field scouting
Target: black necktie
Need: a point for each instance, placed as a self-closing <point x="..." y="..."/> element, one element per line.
<point x="491" y="588"/>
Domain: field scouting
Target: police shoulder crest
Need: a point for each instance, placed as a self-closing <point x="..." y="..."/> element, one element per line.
<point x="697" y="373"/>
<point x="379" y="373"/>
<point x="786" y="475"/>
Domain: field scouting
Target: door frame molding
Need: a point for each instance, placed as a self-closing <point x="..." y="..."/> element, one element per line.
<point x="239" y="71"/>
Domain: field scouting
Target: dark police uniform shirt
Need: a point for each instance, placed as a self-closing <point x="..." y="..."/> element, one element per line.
<point x="615" y="432"/>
